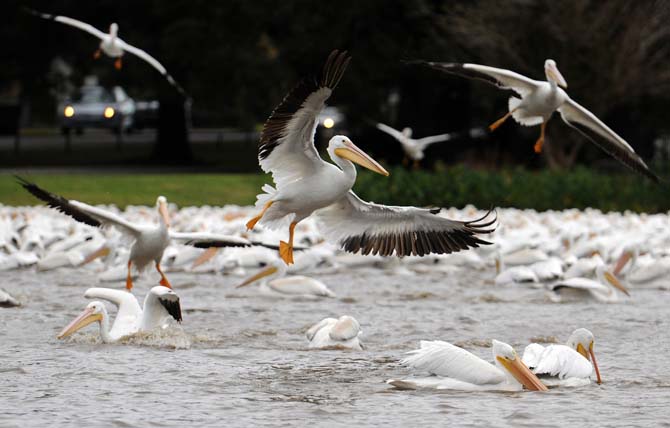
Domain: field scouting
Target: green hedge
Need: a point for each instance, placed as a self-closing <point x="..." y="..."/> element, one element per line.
<point x="542" y="190"/>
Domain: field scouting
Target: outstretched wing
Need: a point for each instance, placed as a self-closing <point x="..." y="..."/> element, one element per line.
<point x="71" y="22"/>
<point x="444" y="359"/>
<point x="209" y="240"/>
<point x="392" y="132"/>
<point x="286" y="147"/>
<point x="386" y="230"/>
<point x="499" y="77"/>
<point x="153" y="62"/>
<point x="426" y="141"/>
<point x="125" y="301"/>
<point x="601" y="135"/>
<point x="80" y="211"/>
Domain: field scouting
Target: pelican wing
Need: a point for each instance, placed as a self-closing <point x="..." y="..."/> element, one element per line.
<point x="499" y="77"/>
<point x="209" y="240"/>
<point x="392" y="132"/>
<point x="128" y="314"/>
<point x="318" y="326"/>
<point x="71" y="22"/>
<point x="345" y="328"/>
<point x="153" y="62"/>
<point x="380" y="229"/>
<point x="168" y="299"/>
<point x="561" y="361"/>
<point x="578" y="283"/>
<point x="286" y="147"/>
<point x="426" y="141"/>
<point x="601" y="135"/>
<point x="444" y="359"/>
<point x="7" y="301"/>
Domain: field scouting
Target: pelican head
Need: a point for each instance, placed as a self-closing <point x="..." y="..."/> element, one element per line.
<point x="582" y="340"/>
<point x="506" y="357"/>
<point x="161" y="204"/>
<point x="275" y="270"/>
<point x="605" y="276"/>
<point x="552" y="73"/>
<point x="113" y="29"/>
<point x="344" y="148"/>
<point x="95" y="311"/>
<point x="407" y="132"/>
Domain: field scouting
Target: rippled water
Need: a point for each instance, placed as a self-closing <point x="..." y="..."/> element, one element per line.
<point x="240" y="359"/>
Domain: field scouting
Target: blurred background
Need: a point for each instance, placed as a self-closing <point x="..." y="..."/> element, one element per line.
<point x="237" y="59"/>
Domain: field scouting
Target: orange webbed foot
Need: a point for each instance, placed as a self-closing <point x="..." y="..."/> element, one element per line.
<point x="286" y="252"/>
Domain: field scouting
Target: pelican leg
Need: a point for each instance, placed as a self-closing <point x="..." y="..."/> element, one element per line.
<point x="540" y="141"/>
<point x="251" y="223"/>
<point x="416" y="165"/>
<point x="495" y="125"/>
<point x="164" y="281"/>
<point x="405" y="161"/>
<point x="97" y="54"/>
<point x="118" y="63"/>
<point x="129" y="278"/>
<point x="286" y="249"/>
<point x="206" y="256"/>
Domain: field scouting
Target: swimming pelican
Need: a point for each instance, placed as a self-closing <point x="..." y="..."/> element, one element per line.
<point x="413" y="148"/>
<point x="7" y="301"/>
<point x="112" y="45"/>
<point x="160" y="304"/>
<point x="306" y="183"/>
<point x="149" y="241"/>
<point x="275" y="282"/>
<point x="564" y="364"/>
<point x="452" y="367"/>
<point x="540" y="99"/>
<point x="602" y="290"/>
<point x="336" y="333"/>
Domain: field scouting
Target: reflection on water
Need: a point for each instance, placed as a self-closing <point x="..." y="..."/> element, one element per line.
<point x="241" y="359"/>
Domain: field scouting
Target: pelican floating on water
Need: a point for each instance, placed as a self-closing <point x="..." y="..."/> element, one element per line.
<point x="275" y="282"/>
<point x="602" y="289"/>
<point x="564" y="364"/>
<point x="452" y="367"/>
<point x="112" y="45"/>
<point x="149" y="241"/>
<point x="540" y="99"/>
<point x="7" y="301"/>
<point x="160" y="304"/>
<point x="342" y="333"/>
<point x="306" y="184"/>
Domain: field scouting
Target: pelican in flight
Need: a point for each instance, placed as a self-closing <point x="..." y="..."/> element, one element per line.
<point x="305" y="183"/>
<point x="112" y="46"/>
<point x="564" y="364"/>
<point x="451" y="367"/>
<point x="601" y="290"/>
<point x="160" y="304"/>
<point x="342" y="333"/>
<point x="149" y="243"/>
<point x="540" y="99"/>
<point x="275" y="282"/>
<point x="413" y="148"/>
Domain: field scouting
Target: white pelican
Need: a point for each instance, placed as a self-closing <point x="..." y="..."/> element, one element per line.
<point x="602" y="289"/>
<point x="7" y="301"/>
<point x="275" y="282"/>
<point x="451" y="367"/>
<point x="112" y="45"/>
<point x="564" y="364"/>
<point x="342" y="333"/>
<point x="149" y="241"/>
<point x="642" y="270"/>
<point x="540" y="99"/>
<point x="160" y="304"/>
<point x="412" y="147"/>
<point x="306" y="183"/>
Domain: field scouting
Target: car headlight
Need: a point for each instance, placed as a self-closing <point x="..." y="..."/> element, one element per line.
<point x="68" y="111"/>
<point x="109" y="112"/>
<point x="328" y="122"/>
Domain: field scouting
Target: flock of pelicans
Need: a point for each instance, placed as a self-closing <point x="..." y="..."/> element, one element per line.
<point x="568" y="255"/>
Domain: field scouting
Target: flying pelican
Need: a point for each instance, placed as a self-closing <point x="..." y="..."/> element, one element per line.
<point x="413" y="148"/>
<point x="149" y="241"/>
<point x="452" y="367"/>
<point x="540" y="99"/>
<point x="306" y="183"/>
<point x="160" y="304"/>
<point x="112" y="46"/>
<point x="282" y="285"/>
<point x="336" y="333"/>
<point x="567" y="363"/>
<point x="601" y="290"/>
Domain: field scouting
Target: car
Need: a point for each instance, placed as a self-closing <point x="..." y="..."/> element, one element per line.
<point x="93" y="106"/>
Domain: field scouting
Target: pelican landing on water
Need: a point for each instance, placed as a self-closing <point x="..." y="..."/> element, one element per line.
<point x="540" y="99"/>
<point x="306" y="185"/>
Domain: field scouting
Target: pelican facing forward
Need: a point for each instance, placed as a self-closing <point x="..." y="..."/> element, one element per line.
<point x="540" y="99"/>
<point x="306" y="184"/>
